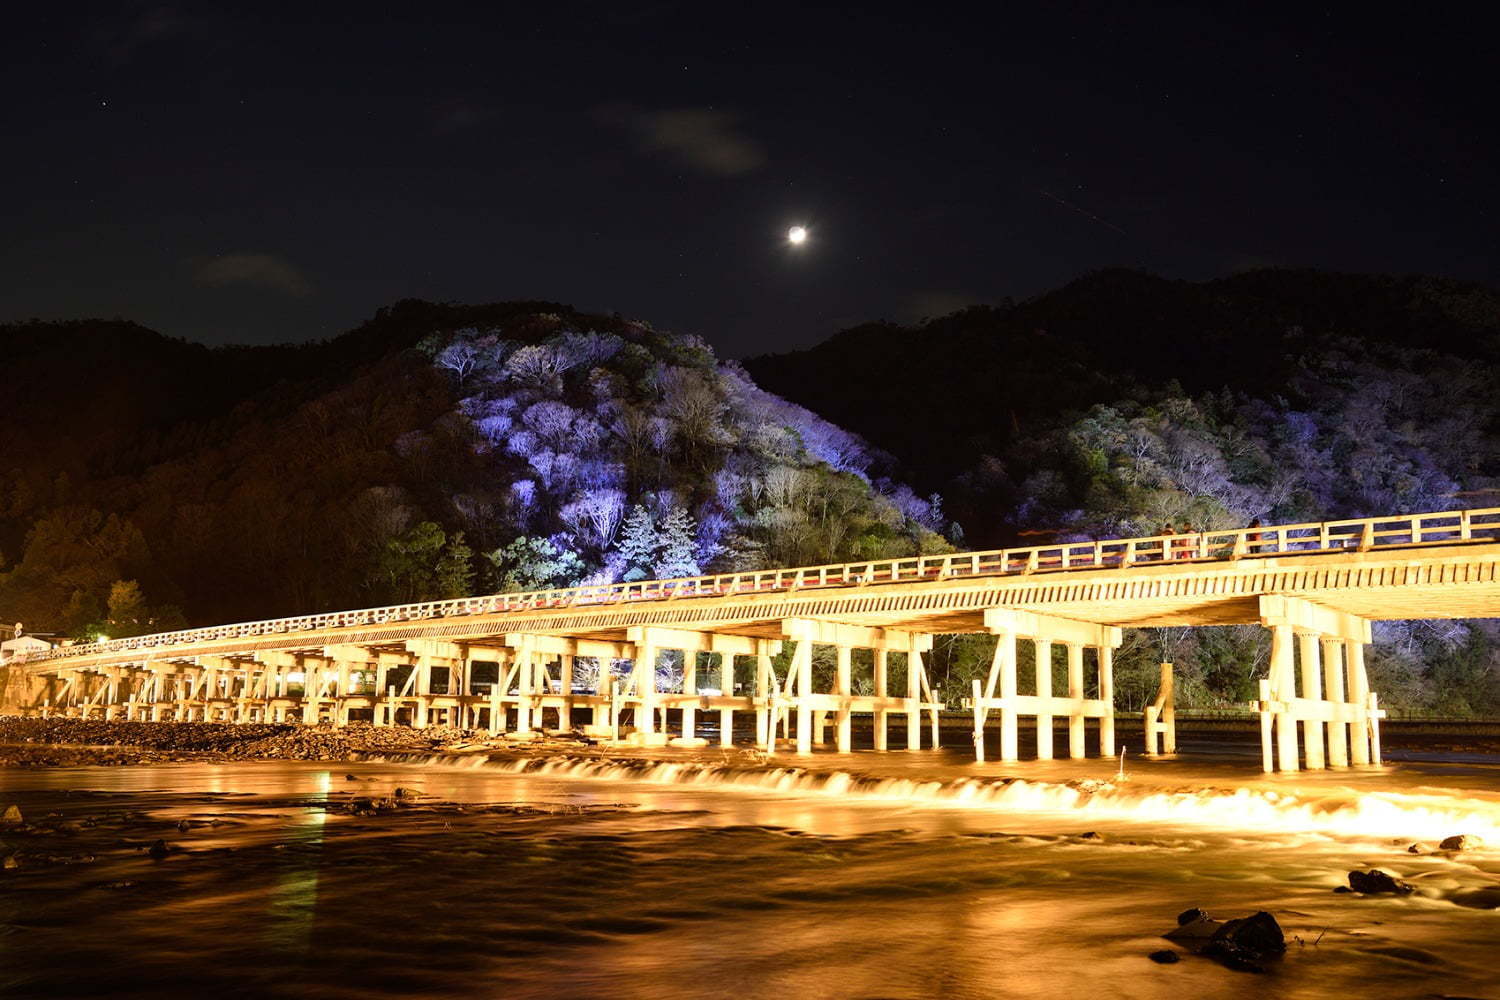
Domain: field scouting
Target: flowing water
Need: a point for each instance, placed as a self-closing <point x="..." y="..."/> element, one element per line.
<point x="717" y="875"/>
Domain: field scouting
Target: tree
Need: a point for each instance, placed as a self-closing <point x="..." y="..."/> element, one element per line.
<point x="534" y="564"/>
<point x="126" y="611"/>
<point x="678" y="546"/>
<point x="408" y="563"/>
<point x="460" y="358"/>
<point x="454" y="575"/>
<point x="638" y="544"/>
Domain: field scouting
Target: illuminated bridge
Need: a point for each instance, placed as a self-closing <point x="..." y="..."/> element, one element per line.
<point x="589" y="655"/>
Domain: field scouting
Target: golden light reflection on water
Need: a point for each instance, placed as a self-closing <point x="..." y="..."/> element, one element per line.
<point x="913" y="883"/>
<point x="292" y="903"/>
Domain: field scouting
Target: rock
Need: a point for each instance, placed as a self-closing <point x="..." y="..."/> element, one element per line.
<point x="1342" y="888"/>
<point x="12" y="861"/>
<point x="1375" y="882"/>
<point x="157" y="850"/>
<point x="404" y="793"/>
<point x="350" y="777"/>
<point x="1091" y="835"/>
<point x="1414" y="849"/>
<point x="1460" y="842"/>
<point x="12" y="816"/>
<point x="1165" y="957"/>
<point x="184" y="826"/>
<point x="1243" y="943"/>
<point x="1195" y="932"/>
<point x="1258" y="934"/>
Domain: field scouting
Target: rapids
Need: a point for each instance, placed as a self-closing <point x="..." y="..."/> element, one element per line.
<point x="729" y="875"/>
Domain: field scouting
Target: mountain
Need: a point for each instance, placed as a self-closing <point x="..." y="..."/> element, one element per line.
<point x="435" y="450"/>
<point x="971" y="404"/>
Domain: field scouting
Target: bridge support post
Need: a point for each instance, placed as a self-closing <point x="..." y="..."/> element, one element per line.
<point x="565" y="680"/>
<point x="726" y="690"/>
<point x="525" y="674"/>
<point x="802" y="669"/>
<point x="1106" y="654"/>
<point x="1076" y="736"/>
<point x="1333" y="690"/>
<point x="1010" y="718"/>
<point x="645" y="711"/>
<point x="843" y="688"/>
<point x="1328" y="715"/>
<point x="689" y="687"/>
<point x="1283" y="690"/>
<point x="1312" y="688"/>
<point x="882" y="692"/>
<point x="765" y="690"/>
<point x="913" y="699"/>
<point x="1044" y="698"/>
<point x="1359" y="694"/>
<point x="1161" y="717"/>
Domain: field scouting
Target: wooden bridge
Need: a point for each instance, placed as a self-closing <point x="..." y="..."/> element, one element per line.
<point x="508" y="662"/>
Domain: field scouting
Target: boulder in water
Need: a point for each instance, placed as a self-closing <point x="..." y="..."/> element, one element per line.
<point x="158" y="850"/>
<point x="1243" y="943"/>
<point x="1376" y="882"/>
<point x="1165" y="957"/>
<point x="1460" y="842"/>
<point x="12" y="816"/>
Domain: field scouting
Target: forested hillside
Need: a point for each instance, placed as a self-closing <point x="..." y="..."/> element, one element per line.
<point x="439" y="450"/>
<point x="1124" y="401"/>
<point x="435" y="451"/>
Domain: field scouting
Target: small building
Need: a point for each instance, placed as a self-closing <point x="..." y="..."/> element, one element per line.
<point x="20" y="646"/>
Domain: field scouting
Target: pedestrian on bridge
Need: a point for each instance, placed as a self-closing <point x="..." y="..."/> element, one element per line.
<point x="1166" y="534"/>
<point x="1187" y="540"/>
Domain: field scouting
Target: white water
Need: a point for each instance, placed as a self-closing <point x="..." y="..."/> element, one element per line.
<point x="1343" y="811"/>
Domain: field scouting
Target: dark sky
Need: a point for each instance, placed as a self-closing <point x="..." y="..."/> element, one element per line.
<point x="260" y="174"/>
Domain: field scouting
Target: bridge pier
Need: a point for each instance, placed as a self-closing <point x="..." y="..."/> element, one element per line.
<point x="842" y="702"/>
<point x="1348" y="729"/>
<point x="1044" y="631"/>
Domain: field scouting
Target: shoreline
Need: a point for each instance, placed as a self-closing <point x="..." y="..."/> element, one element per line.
<point x="60" y="742"/>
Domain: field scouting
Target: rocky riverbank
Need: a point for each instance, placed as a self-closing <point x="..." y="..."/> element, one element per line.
<point x="72" y="742"/>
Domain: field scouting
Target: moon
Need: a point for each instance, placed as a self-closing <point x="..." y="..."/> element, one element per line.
<point x="797" y="235"/>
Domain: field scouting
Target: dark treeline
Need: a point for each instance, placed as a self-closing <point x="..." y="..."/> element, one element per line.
<point x="1124" y="401"/>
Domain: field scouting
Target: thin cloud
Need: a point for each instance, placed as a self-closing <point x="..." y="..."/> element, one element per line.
<point x="257" y="270"/>
<point x="701" y="138"/>
<point x="122" y="38"/>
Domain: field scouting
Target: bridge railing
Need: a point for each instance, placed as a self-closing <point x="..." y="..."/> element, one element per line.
<point x="1362" y="534"/>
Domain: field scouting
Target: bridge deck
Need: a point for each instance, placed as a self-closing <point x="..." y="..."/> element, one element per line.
<point x="1440" y="577"/>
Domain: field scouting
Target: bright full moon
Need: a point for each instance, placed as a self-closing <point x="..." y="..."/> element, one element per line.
<point x="797" y="235"/>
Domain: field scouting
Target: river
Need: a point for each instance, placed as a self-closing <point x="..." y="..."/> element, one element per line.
<point x="719" y="875"/>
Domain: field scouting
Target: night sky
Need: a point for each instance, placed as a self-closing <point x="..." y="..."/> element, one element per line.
<point x="254" y="174"/>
